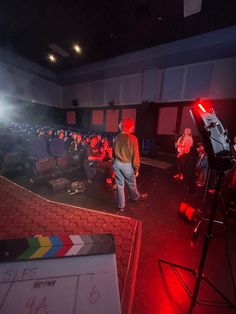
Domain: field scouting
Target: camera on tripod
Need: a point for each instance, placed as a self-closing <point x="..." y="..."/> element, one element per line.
<point x="214" y="136"/>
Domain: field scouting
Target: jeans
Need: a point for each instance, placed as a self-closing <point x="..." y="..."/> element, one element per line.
<point x="125" y="173"/>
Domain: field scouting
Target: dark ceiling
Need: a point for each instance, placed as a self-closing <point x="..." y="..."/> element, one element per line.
<point x="103" y="28"/>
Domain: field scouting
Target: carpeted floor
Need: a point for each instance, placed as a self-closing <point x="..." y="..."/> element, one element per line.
<point x="156" y="163"/>
<point x="165" y="235"/>
<point x="25" y="214"/>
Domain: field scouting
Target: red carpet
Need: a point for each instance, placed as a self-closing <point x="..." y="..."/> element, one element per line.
<point x="25" y="214"/>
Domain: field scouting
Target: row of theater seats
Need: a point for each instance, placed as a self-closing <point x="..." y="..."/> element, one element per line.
<point x="21" y="149"/>
<point x="35" y="155"/>
<point x="38" y="157"/>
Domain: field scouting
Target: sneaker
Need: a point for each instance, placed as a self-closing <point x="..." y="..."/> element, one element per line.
<point x="71" y="192"/>
<point x="211" y="191"/>
<point x="114" y="186"/>
<point x="120" y="211"/>
<point x="142" y="197"/>
<point x="176" y="176"/>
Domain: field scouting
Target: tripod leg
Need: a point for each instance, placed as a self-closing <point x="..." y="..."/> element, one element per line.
<point x="206" y="243"/>
<point x="196" y="231"/>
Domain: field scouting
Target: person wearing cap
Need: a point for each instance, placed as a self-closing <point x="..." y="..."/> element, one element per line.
<point x="201" y="166"/>
<point x="126" y="163"/>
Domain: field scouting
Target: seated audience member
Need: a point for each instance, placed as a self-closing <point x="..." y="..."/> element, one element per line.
<point x="86" y="141"/>
<point x="201" y="166"/>
<point x="76" y="145"/>
<point x="105" y="150"/>
<point x="94" y="160"/>
<point x="61" y="134"/>
<point x="40" y="132"/>
<point x="99" y="138"/>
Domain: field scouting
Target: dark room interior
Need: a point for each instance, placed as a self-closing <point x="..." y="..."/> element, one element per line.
<point x="117" y="157"/>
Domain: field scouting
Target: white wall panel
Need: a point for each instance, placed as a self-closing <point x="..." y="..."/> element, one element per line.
<point x="198" y="80"/>
<point x="113" y="90"/>
<point x="79" y="92"/>
<point x="223" y="82"/>
<point x="150" y="85"/>
<point x="25" y="86"/>
<point x="98" y="93"/>
<point x="131" y="89"/>
<point x="172" y="84"/>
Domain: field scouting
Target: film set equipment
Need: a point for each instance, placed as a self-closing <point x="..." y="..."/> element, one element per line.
<point x="220" y="158"/>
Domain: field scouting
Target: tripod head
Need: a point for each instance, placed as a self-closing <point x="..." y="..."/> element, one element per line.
<point x="214" y="136"/>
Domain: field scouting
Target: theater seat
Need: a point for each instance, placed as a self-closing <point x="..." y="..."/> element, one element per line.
<point x="38" y="154"/>
<point x="11" y="155"/>
<point x="57" y="148"/>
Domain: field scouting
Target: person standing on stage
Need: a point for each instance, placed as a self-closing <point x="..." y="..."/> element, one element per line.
<point x="126" y="163"/>
<point x="183" y="145"/>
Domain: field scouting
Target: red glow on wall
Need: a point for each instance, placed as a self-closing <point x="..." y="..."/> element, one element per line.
<point x="71" y="117"/>
<point x="97" y="117"/>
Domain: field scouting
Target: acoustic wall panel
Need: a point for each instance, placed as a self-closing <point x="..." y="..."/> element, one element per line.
<point x="98" y="93"/>
<point x="25" y="86"/>
<point x="131" y="89"/>
<point x="167" y="117"/>
<point x="78" y="92"/>
<point x="71" y="117"/>
<point x="112" y="120"/>
<point x="97" y="117"/>
<point x="172" y="84"/>
<point x="198" y="80"/>
<point x="187" y="121"/>
<point x="150" y="84"/>
<point x="113" y="90"/>
<point x="223" y="81"/>
<point x="81" y="93"/>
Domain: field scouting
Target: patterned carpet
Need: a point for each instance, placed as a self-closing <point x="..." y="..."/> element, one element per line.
<point x="25" y="214"/>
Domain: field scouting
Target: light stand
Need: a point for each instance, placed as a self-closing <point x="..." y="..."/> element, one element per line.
<point x="199" y="273"/>
<point x="220" y="159"/>
<point x="203" y="210"/>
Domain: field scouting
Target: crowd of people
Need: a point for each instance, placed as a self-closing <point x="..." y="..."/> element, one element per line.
<point x="119" y="159"/>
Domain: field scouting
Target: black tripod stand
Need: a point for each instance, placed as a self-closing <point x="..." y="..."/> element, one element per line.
<point x="203" y="210"/>
<point x="199" y="273"/>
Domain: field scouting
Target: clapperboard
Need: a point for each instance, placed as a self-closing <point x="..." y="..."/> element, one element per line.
<point x="59" y="275"/>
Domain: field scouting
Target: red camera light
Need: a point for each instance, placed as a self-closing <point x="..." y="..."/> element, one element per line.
<point x="201" y="107"/>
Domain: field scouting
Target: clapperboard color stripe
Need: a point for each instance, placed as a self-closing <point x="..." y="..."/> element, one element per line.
<point x="56" y="246"/>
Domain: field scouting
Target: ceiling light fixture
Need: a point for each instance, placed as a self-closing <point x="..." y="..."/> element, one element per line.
<point x="52" y="58"/>
<point x="77" y="48"/>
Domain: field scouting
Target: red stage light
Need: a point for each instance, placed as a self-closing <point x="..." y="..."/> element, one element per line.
<point x="201" y="107"/>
